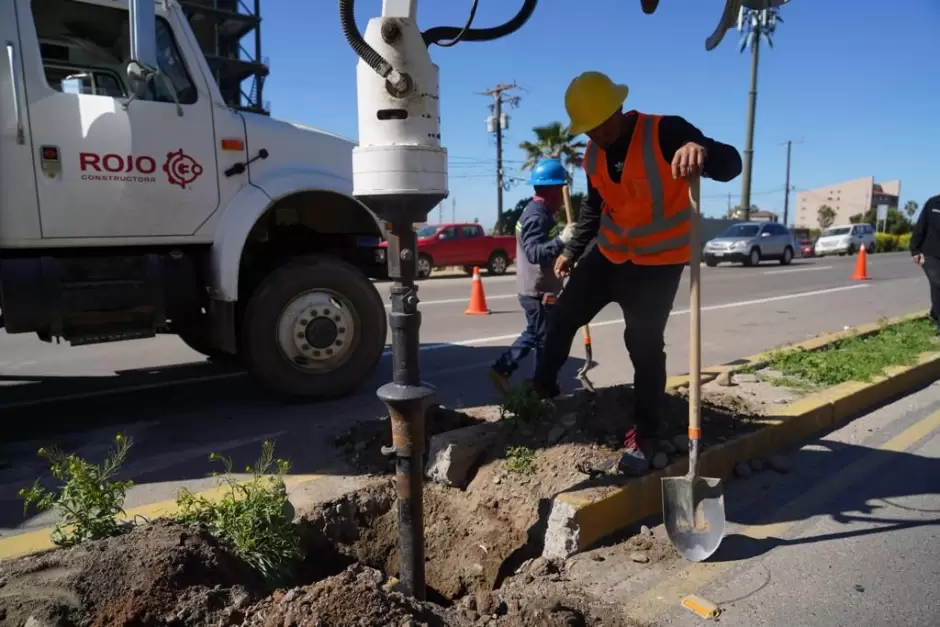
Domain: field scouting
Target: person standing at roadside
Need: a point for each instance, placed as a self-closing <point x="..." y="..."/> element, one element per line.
<point x="536" y="252"/>
<point x="925" y="250"/>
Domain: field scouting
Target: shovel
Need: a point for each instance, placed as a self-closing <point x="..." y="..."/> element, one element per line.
<point x="693" y="506"/>
<point x="588" y="351"/>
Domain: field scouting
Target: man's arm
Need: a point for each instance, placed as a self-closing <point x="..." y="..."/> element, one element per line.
<point x="589" y="221"/>
<point x="538" y="246"/>
<point x="722" y="161"/>
<point x="919" y="233"/>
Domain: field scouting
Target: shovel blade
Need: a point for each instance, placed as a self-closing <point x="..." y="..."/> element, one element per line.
<point x="694" y="515"/>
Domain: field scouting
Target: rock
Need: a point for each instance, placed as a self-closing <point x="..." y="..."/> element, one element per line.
<point x="780" y="463"/>
<point x="724" y="379"/>
<point x="639" y="557"/>
<point x="757" y="465"/>
<point x="743" y="470"/>
<point x="745" y="377"/>
<point x="570" y="419"/>
<point x="32" y="621"/>
<point x="666" y="447"/>
<point x="660" y="460"/>
<point x="556" y="434"/>
<point x="497" y="480"/>
<point x="291" y="595"/>
<point x="681" y="442"/>
<point x="646" y="531"/>
<point x="453" y="454"/>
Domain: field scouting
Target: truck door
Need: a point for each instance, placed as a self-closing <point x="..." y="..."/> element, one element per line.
<point x="19" y="211"/>
<point x="473" y="244"/>
<point x="105" y="169"/>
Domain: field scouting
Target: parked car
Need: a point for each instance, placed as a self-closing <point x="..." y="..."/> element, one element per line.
<point x="807" y="248"/>
<point x="846" y="239"/>
<point x="463" y="245"/>
<point x="750" y="243"/>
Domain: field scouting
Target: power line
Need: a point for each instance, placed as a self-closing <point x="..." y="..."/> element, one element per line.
<point x="496" y="123"/>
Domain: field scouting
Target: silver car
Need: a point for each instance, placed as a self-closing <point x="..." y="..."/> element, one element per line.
<point x="750" y="243"/>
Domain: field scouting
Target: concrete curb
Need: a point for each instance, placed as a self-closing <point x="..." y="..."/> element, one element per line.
<point x="578" y="519"/>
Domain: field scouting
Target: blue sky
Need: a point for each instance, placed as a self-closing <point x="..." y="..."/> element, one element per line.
<point x="859" y="84"/>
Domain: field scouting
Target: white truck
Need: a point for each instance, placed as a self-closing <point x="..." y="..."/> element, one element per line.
<point x="134" y="201"/>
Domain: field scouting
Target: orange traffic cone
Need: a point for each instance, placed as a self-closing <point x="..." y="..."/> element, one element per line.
<point x="861" y="266"/>
<point x="477" y="306"/>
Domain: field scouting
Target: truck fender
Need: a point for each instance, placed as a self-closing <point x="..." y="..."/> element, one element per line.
<point x="254" y="201"/>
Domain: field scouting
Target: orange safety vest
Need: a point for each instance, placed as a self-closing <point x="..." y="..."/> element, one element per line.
<point x="647" y="215"/>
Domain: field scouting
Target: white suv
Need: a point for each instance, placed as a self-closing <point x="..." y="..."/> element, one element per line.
<point x="846" y="240"/>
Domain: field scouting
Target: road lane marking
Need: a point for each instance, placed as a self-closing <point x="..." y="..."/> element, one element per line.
<point x="424" y="348"/>
<point x="446" y="301"/>
<point x="666" y="595"/>
<point x="790" y="270"/>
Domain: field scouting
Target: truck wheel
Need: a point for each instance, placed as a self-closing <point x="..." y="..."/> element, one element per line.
<point x="498" y="263"/>
<point x="423" y="267"/>
<point x="314" y="328"/>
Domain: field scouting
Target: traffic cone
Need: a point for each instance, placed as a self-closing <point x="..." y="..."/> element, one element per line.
<point x="861" y="266"/>
<point x="477" y="306"/>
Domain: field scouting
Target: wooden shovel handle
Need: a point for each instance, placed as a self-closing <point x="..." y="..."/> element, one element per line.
<point x="695" y="308"/>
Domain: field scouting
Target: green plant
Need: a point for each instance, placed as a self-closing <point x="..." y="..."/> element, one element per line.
<point x="253" y="516"/>
<point x="89" y="500"/>
<point x="520" y="459"/>
<point x="858" y="358"/>
<point x="521" y="407"/>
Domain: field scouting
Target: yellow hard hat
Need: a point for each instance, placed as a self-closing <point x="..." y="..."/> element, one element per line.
<point x="591" y="98"/>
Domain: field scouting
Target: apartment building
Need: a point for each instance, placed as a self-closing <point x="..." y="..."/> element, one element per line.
<point x="846" y="199"/>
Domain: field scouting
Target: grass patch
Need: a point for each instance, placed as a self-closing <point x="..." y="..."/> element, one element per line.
<point x="793" y="383"/>
<point x="521" y="407"/>
<point x="520" y="459"/>
<point x="858" y="358"/>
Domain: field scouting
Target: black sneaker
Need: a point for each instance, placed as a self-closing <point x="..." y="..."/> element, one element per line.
<point x="500" y="380"/>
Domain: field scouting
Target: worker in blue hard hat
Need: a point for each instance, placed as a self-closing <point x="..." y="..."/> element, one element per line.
<point x="537" y="250"/>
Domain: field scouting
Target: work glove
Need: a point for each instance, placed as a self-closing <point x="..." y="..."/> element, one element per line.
<point x="567" y="233"/>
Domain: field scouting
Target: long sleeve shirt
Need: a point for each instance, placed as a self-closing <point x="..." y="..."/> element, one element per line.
<point x="722" y="163"/>
<point x="536" y="251"/>
<point x="925" y="238"/>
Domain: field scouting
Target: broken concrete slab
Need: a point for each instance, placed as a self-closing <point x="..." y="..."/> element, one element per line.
<point x="452" y="455"/>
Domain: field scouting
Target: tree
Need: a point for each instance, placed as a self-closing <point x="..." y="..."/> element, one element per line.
<point x="910" y="208"/>
<point x="737" y="212"/>
<point x="896" y="223"/>
<point x="553" y="141"/>
<point x="827" y="215"/>
<point x="512" y="216"/>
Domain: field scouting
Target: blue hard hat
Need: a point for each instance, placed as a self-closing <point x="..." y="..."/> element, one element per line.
<point x="548" y="172"/>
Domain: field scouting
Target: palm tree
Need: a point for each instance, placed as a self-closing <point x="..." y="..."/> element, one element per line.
<point x="553" y="141"/>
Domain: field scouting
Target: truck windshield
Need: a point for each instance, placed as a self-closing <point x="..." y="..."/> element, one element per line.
<point x="427" y="231"/>
<point x="740" y="230"/>
<point x="842" y="230"/>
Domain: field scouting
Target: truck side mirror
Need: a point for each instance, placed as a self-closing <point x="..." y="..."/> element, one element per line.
<point x="143" y="36"/>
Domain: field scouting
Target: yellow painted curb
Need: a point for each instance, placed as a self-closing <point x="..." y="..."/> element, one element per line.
<point x="593" y="513"/>
<point x="41" y="539"/>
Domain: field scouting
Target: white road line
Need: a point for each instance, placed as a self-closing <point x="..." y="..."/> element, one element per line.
<point x="789" y="270"/>
<point x="429" y="347"/>
<point x="675" y="312"/>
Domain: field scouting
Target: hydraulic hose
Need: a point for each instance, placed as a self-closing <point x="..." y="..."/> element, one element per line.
<point x="347" y="18"/>
<point x="443" y="33"/>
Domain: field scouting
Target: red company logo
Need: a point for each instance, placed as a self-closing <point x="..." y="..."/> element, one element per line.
<point x="181" y="169"/>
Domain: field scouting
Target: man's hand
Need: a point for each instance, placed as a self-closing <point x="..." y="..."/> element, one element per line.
<point x="918" y="259"/>
<point x="689" y="161"/>
<point x="562" y="267"/>
<point x="566" y="233"/>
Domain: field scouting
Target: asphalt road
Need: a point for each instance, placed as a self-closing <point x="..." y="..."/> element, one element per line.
<point x="179" y="408"/>
<point x="850" y="537"/>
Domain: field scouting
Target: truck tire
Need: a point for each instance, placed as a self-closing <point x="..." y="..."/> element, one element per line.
<point x="424" y="266"/>
<point x="498" y="263"/>
<point x="314" y="328"/>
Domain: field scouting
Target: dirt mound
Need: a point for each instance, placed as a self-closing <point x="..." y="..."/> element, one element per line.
<point x="158" y="574"/>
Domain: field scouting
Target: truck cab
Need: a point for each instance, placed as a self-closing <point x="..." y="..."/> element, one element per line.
<point x="135" y="201"/>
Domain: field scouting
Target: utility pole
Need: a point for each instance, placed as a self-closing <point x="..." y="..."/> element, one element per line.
<point x="497" y="123"/>
<point x="755" y="25"/>
<point x="453" y="209"/>
<point x="786" y="190"/>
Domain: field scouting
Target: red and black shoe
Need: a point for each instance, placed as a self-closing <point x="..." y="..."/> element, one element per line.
<point x="638" y="452"/>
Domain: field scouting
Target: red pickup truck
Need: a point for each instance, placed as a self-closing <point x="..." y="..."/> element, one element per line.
<point x="463" y="245"/>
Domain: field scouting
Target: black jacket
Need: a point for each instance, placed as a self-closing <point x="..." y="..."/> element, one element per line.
<point x="536" y="252"/>
<point x="925" y="239"/>
<point x="722" y="163"/>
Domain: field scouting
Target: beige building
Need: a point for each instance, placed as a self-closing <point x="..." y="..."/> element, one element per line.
<point x="846" y="199"/>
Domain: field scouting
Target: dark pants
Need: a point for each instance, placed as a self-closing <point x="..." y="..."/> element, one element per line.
<point x="645" y="295"/>
<point x="932" y="270"/>
<point x="532" y="338"/>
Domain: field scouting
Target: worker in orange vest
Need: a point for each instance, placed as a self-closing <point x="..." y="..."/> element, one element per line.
<point x="638" y="168"/>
